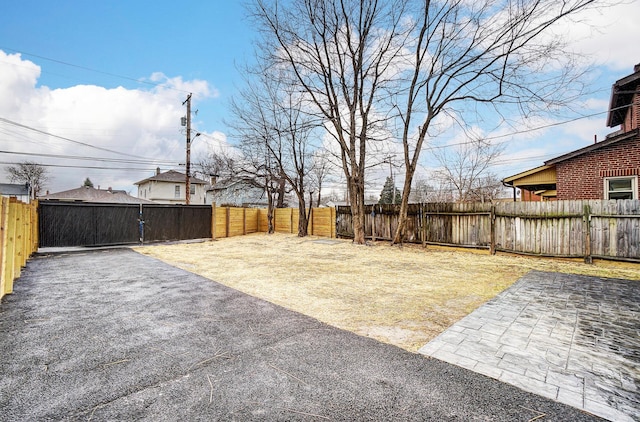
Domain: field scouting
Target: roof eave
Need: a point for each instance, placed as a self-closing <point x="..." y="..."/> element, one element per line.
<point x="525" y="173"/>
<point x="593" y="147"/>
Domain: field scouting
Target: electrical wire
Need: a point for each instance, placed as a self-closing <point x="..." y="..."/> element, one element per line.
<point x="106" y="160"/>
<point x="11" y="122"/>
<point x="85" y="167"/>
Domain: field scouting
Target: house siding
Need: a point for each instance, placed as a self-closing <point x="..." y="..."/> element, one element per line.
<point x="582" y="177"/>
<point x="164" y="192"/>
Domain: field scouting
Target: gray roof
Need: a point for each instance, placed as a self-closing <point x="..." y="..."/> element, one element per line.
<point x="89" y="194"/>
<point x="172" y="176"/>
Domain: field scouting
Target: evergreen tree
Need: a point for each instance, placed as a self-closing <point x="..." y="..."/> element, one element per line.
<point x="88" y="182"/>
<point x="388" y="193"/>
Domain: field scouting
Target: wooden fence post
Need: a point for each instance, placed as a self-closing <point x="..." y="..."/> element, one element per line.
<point x="311" y="219"/>
<point x="587" y="234"/>
<point x="4" y="221"/>
<point x="9" y="247"/>
<point x="423" y="220"/>
<point x="213" y="221"/>
<point x="290" y="220"/>
<point x="35" y="221"/>
<point x="492" y="220"/>
<point x="227" y="222"/>
<point x="373" y="223"/>
<point x="18" y="240"/>
<point x="244" y="221"/>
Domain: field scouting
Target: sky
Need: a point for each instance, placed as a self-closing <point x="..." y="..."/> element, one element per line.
<point x="96" y="89"/>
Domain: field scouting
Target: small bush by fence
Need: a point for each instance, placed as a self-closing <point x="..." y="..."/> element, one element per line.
<point x="588" y="229"/>
<point x="230" y="221"/>
<point x="18" y="239"/>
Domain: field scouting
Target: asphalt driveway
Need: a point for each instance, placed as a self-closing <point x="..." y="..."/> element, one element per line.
<point x="114" y="335"/>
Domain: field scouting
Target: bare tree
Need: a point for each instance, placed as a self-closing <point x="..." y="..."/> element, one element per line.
<point x="217" y="164"/>
<point x="269" y="116"/>
<point x="339" y="53"/>
<point x="321" y="170"/>
<point x="31" y="173"/>
<point x="465" y="168"/>
<point x="494" y="55"/>
<point x="373" y="67"/>
<point x="422" y="192"/>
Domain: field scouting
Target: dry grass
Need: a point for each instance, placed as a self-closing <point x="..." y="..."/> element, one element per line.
<point x="403" y="296"/>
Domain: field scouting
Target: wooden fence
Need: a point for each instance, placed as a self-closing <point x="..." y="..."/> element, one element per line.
<point x="230" y="221"/>
<point x="18" y="239"/>
<point x="588" y="229"/>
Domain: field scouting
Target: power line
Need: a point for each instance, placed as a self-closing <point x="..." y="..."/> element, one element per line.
<point x="86" y="167"/>
<point x="76" y="157"/>
<point x="11" y="122"/>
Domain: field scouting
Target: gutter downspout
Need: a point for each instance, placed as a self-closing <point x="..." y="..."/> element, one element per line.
<point x="510" y="186"/>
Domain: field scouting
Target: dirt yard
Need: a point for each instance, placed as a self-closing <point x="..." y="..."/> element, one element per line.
<point x="400" y="295"/>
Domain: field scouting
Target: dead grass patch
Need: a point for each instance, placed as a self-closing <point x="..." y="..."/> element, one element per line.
<point x="400" y="295"/>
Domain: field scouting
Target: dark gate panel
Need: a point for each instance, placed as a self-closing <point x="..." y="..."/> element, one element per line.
<point x="171" y="222"/>
<point x="84" y="224"/>
<point x="91" y="224"/>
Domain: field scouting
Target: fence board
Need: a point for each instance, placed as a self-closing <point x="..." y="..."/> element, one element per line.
<point x="282" y="220"/>
<point x="554" y="228"/>
<point x="18" y="231"/>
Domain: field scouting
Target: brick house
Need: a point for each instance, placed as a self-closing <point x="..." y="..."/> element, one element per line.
<point x="604" y="170"/>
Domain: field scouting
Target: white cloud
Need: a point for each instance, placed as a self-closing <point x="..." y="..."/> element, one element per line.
<point x="141" y="124"/>
<point x="609" y="35"/>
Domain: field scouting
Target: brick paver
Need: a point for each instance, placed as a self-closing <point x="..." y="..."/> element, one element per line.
<point x="571" y="338"/>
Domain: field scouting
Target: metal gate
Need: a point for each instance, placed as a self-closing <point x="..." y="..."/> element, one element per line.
<point x="63" y="224"/>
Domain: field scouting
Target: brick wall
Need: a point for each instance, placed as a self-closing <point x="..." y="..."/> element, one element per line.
<point x="632" y="118"/>
<point x="582" y="177"/>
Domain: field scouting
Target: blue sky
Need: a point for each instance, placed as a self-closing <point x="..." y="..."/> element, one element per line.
<point x="191" y="39"/>
<point x="145" y="56"/>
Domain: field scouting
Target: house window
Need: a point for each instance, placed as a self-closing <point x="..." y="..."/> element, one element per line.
<point x="621" y="187"/>
<point x="192" y="189"/>
<point x="177" y="192"/>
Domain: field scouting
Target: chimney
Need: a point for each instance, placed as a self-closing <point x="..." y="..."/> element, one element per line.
<point x="214" y="179"/>
<point x="636" y="68"/>
<point x="157" y="171"/>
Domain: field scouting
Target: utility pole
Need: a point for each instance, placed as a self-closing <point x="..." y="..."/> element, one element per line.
<point x="188" y="178"/>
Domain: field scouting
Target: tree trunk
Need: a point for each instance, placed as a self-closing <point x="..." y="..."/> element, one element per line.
<point x="303" y="220"/>
<point x="281" y="190"/>
<point x="399" y="235"/>
<point x="356" y="196"/>
<point x="319" y="194"/>
<point x="270" y="228"/>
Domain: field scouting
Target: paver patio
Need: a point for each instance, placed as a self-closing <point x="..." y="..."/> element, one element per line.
<point x="575" y="339"/>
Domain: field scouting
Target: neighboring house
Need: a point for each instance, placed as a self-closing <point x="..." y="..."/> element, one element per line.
<point x="239" y="193"/>
<point x="169" y="188"/>
<point x="89" y="194"/>
<point x="604" y="170"/>
<point x="333" y="204"/>
<point x="20" y="191"/>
